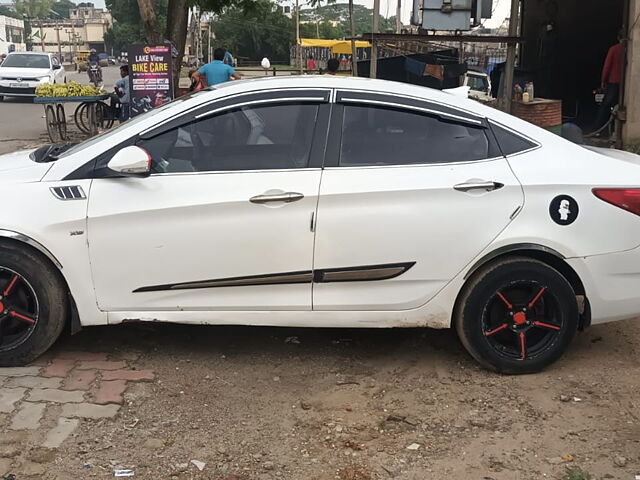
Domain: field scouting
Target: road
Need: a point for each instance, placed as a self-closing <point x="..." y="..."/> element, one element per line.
<point x="23" y="121"/>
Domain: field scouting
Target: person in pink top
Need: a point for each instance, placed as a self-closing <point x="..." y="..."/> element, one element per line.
<point x="311" y="63"/>
<point x="610" y="82"/>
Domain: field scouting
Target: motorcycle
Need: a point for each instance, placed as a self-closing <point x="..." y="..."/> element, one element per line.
<point x="95" y="74"/>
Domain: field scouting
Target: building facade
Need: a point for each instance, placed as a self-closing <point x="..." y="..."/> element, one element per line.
<point x="85" y="29"/>
<point x="12" y="36"/>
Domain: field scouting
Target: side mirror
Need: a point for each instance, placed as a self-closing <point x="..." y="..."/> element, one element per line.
<point x="131" y="161"/>
<point x="57" y="67"/>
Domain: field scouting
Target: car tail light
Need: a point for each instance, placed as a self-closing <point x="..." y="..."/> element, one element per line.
<point x="626" y="198"/>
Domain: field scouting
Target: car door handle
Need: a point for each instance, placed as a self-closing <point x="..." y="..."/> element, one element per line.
<point x="488" y="186"/>
<point x="286" y="197"/>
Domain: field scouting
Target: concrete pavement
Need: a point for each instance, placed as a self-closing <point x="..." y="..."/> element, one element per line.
<point x="22" y="122"/>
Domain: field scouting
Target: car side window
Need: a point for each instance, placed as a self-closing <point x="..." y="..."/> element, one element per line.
<point x="253" y="137"/>
<point x="510" y="143"/>
<point x="373" y="135"/>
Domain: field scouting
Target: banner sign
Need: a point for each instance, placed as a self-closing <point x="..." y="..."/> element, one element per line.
<point x="150" y="77"/>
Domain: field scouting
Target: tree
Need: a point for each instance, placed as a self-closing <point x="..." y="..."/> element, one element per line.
<point x="150" y="21"/>
<point x="127" y="26"/>
<point x="262" y="31"/>
<point x="33" y="8"/>
<point x="62" y="7"/>
<point x="9" y="12"/>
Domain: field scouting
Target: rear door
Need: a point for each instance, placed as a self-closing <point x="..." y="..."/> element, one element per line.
<point x="410" y="194"/>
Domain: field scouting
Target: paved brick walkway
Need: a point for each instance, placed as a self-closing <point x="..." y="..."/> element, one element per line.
<point x="43" y="404"/>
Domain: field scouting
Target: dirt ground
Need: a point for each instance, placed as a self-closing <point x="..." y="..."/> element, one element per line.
<point x="268" y="403"/>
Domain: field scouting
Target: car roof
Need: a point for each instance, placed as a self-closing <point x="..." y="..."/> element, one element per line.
<point x="48" y="54"/>
<point x="333" y="81"/>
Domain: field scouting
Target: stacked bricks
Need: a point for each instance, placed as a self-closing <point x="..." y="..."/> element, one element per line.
<point x="75" y="385"/>
<point x="541" y="112"/>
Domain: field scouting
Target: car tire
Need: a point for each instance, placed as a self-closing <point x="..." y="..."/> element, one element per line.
<point x="1" y="98"/>
<point x="516" y="316"/>
<point x="34" y="305"/>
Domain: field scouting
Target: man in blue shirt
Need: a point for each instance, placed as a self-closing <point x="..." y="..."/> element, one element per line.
<point x="121" y="88"/>
<point x="217" y="71"/>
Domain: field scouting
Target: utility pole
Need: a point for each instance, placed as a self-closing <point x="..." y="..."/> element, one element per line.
<point x="399" y="17"/>
<point x="373" y="71"/>
<point x="41" y="36"/>
<point x="58" y="28"/>
<point x="298" y="45"/>
<point x="354" y="50"/>
<point x="507" y="94"/>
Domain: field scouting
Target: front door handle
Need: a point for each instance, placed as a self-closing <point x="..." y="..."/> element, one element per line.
<point x="286" y="197"/>
<point x="479" y="185"/>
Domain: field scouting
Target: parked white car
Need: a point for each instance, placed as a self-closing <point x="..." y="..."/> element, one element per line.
<point x="22" y="72"/>
<point x="323" y="201"/>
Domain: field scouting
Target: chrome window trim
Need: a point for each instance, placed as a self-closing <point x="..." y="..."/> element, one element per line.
<point x="412" y="97"/>
<point x="259" y="102"/>
<point x="31" y="242"/>
<point x="437" y="113"/>
<point x="411" y="165"/>
<point x="235" y="95"/>
<point x="209" y="172"/>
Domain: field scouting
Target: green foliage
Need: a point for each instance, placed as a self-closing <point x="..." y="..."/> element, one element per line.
<point x="262" y="30"/>
<point x="34" y="8"/>
<point x="633" y="148"/>
<point x="9" y="12"/>
<point x="127" y="26"/>
<point x="339" y="13"/>
<point x="576" y="473"/>
<point x="62" y="7"/>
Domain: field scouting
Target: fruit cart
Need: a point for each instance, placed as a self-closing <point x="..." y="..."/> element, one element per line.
<point x="90" y="115"/>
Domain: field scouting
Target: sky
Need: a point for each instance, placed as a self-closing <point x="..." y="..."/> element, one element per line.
<point x="388" y="9"/>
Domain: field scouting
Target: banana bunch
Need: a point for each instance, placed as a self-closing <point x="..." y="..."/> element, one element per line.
<point x="71" y="89"/>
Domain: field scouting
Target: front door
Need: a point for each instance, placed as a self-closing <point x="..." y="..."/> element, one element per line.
<point x="410" y="195"/>
<point x="223" y="223"/>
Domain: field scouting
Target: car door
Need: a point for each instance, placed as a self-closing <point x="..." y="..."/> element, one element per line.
<point x="223" y="223"/>
<point x="57" y="70"/>
<point x="410" y="194"/>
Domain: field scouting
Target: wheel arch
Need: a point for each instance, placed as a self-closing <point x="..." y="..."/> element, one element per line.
<point x="546" y="255"/>
<point x="16" y="238"/>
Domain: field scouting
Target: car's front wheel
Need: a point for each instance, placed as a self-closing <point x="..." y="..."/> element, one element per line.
<point x="517" y="316"/>
<point x="33" y="305"/>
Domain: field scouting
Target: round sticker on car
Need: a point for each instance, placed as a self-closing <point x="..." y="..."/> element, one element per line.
<point x="563" y="210"/>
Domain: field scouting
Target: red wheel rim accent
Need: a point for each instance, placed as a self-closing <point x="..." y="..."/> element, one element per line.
<point x="19" y="309"/>
<point x="522" y="320"/>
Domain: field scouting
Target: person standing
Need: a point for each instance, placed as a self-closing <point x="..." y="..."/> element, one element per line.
<point x="217" y="71"/>
<point x="311" y="63"/>
<point x="611" y="76"/>
<point x="122" y="92"/>
<point x="228" y="58"/>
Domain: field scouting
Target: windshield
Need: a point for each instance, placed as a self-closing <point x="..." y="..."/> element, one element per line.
<point x="27" y="61"/>
<point x="478" y="83"/>
<point x="93" y="140"/>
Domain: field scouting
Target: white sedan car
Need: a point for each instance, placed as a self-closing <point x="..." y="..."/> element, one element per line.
<point x="322" y="202"/>
<point x="22" y="72"/>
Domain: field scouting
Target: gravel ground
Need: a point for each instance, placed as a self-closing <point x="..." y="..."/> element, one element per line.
<point x="269" y="403"/>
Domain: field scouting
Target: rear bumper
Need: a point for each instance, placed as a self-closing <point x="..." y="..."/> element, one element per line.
<point x="612" y="284"/>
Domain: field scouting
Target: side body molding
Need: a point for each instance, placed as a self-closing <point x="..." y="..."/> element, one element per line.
<point x="31" y="242"/>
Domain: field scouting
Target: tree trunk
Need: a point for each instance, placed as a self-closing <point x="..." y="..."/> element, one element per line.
<point x="150" y="21"/>
<point x="354" y="51"/>
<point x="177" y="20"/>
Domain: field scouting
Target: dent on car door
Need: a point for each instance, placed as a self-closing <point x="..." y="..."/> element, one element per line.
<point x="222" y="223"/>
<point x="410" y="195"/>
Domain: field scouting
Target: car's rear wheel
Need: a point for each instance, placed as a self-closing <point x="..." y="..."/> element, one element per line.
<point x="517" y="316"/>
<point x="1" y="98"/>
<point x="33" y="305"/>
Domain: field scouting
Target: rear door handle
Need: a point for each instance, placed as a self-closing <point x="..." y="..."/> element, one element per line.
<point x="286" y="197"/>
<point x="488" y="186"/>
